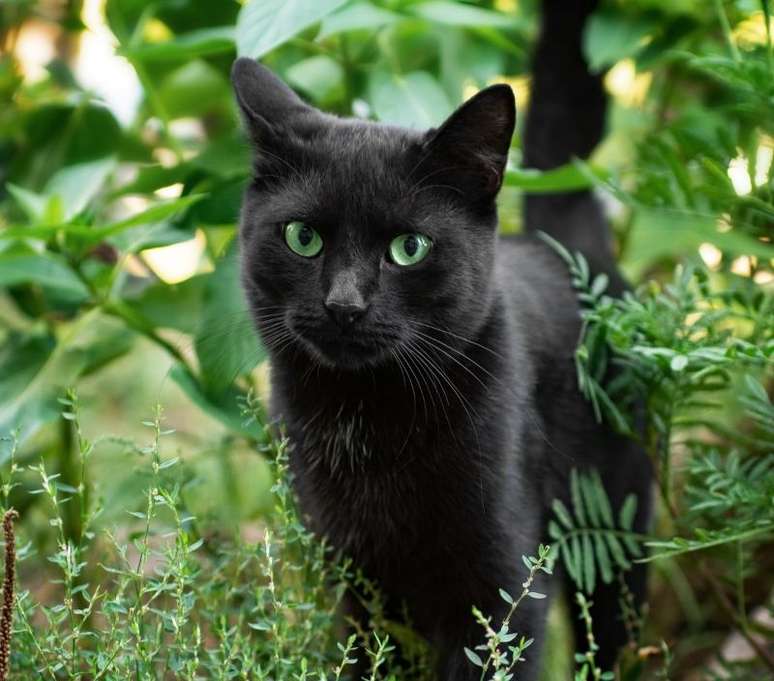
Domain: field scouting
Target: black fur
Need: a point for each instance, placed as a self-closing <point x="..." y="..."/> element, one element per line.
<point x="429" y="436"/>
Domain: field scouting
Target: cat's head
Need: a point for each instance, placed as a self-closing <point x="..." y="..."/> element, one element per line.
<point x="359" y="240"/>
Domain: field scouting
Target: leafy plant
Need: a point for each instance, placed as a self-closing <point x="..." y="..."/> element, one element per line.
<point x="91" y="185"/>
<point x="503" y="649"/>
<point x="589" y="539"/>
<point x="171" y="601"/>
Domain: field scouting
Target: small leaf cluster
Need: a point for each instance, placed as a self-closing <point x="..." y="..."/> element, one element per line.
<point x="503" y="649"/>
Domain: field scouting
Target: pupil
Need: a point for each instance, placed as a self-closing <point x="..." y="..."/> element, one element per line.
<point x="411" y="246"/>
<point x="305" y="236"/>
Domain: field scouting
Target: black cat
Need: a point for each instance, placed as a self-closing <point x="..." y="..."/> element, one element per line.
<point x="422" y="364"/>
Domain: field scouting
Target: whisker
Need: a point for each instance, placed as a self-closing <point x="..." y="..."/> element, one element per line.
<point x="458" y="337"/>
<point x="437" y="342"/>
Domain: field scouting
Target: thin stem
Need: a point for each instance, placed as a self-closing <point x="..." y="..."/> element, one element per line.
<point x="727" y="607"/>
<point x="727" y="31"/>
<point x="740" y="597"/>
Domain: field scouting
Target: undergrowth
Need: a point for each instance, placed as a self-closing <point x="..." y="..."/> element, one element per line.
<point x="158" y="598"/>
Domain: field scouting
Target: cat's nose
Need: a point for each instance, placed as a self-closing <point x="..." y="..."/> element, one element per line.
<point x="345" y="302"/>
<point x="345" y="314"/>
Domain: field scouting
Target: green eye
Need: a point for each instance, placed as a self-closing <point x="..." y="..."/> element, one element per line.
<point x="409" y="249"/>
<point x="302" y="240"/>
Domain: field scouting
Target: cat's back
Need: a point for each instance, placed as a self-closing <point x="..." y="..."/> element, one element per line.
<point x="539" y="298"/>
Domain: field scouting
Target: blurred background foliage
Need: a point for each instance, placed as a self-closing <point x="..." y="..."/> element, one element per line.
<point x="122" y="164"/>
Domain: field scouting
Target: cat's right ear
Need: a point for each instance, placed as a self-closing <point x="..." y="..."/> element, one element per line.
<point x="269" y="107"/>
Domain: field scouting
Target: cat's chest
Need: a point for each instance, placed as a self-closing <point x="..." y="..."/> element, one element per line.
<point x="353" y="439"/>
<point x="366" y="474"/>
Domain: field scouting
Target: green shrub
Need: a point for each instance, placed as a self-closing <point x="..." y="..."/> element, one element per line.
<point x="135" y="563"/>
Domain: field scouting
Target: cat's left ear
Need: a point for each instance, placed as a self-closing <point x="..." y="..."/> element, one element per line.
<point x="269" y="108"/>
<point x="470" y="149"/>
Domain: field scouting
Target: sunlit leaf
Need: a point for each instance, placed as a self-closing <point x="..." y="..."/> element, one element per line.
<point x="264" y="24"/>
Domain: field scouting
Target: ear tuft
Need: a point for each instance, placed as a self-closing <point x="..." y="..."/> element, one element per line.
<point x="471" y="147"/>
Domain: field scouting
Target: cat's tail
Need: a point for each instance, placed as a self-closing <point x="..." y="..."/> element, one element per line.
<point x="566" y="120"/>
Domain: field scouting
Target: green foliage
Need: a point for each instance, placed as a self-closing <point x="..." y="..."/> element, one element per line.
<point x="504" y="649"/>
<point x="587" y="667"/>
<point x="89" y="188"/>
<point x="590" y="540"/>
<point x="169" y="600"/>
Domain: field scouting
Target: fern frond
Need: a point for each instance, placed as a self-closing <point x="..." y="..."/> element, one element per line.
<point x="590" y="540"/>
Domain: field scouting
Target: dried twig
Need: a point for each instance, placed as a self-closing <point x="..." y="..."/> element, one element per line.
<point x="6" y="613"/>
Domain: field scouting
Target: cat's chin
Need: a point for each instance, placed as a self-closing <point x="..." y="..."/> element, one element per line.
<point x="345" y="354"/>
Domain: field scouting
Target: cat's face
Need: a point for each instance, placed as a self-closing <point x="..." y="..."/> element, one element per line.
<point x="359" y="241"/>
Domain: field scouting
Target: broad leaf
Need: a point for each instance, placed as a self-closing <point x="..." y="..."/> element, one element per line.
<point x="78" y="184"/>
<point x="610" y="37"/>
<point x="199" y="43"/>
<point x="225" y="409"/>
<point x="414" y="99"/>
<point x="39" y="372"/>
<point x="659" y="233"/>
<point x="172" y="306"/>
<point x="457" y="14"/>
<point x="360" y="15"/>
<point x="318" y="76"/>
<point x="262" y="25"/>
<point x="45" y="269"/>
<point x="568" y="177"/>
<point x="226" y="343"/>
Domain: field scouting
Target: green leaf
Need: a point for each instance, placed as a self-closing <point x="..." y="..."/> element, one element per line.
<point x="577" y="498"/>
<point x="199" y="43"/>
<point x="627" y="512"/>
<point x="33" y="205"/>
<point x="590" y="494"/>
<point x="162" y="210"/>
<point x="172" y="306"/>
<point x="413" y="100"/>
<point x="464" y="57"/>
<point x="21" y="357"/>
<point x="554" y="531"/>
<point x="357" y="16"/>
<point x="603" y="502"/>
<point x="589" y="564"/>
<point x="561" y="512"/>
<point x="617" y="552"/>
<point x="603" y="559"/>
<point x="224" y="408"/>
<point x="78" y="184"/>
<point x="37" y="372"/>
<point x="473" y="657"/>
<point x="678" y="363"/>
<point x="195" y="89"/>
<point x="226" y="343"/>
<point x="457" y="14"/>
<point x="228" y="158"/>
<point x="89" y="235"/>
<point x="262" y="25"/>
<point x="319" y="76"/>
<point x="45" y="269"/>
<point x="573" y="559"/>
<point x="659" y="233"/>
<point x="150" y="228"/>
<point x="610" y="36"/>
<point x="569" y="177"/>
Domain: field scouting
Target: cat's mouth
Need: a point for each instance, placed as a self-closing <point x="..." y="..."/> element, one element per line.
<point x="344" y="349"/>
